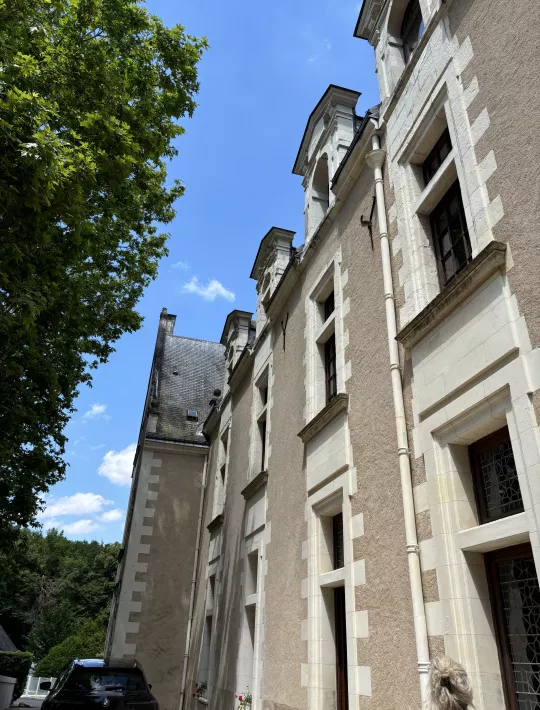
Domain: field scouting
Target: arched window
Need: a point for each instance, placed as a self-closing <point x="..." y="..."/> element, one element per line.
<point x="412" y="28"/>
<point x="321" y="183"/>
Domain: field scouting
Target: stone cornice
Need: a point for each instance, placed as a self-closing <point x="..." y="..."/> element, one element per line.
<point x="253" y="486"/>
<point x="242" y="365"/>
<point x="215" y="523"/>
<point x="335" y="406"/>
<point x="490" y="260"/>
<point x="211" y="421"/>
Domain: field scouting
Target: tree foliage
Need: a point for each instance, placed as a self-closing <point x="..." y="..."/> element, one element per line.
<point x="87" y="642"/>
<point x="91" y="92"/>
<point x="51" y="585"/>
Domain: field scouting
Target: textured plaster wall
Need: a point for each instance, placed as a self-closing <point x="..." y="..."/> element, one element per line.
<point x="386" y="594"/>
<point x="229" y="603"/>
<point x="506" y="45"/>
<point x="165" y="600"/>
<point x="284" y="649"/>
<point x="200" y="592"/>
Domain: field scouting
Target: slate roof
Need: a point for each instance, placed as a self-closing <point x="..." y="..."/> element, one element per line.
<point x="6" y="644"/>
<point x="200" y="365"/>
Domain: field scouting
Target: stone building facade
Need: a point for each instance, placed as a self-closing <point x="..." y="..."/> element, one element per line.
<point x="364" y="491"/>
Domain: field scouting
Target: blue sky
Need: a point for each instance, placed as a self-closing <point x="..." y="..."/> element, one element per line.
<point x="267" y="66"/>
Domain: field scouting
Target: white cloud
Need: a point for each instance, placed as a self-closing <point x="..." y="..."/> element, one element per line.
<point x="96" y="411"/>
<point x="80" y="527"/>
<point x="111" y="516"/>
<point x="117" y="465"/>
<point x="213" y="289"/>
<point x="180" y="265"/>
<point x="76" y="504"/>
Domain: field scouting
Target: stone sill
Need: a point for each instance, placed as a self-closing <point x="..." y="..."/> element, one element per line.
<point x="215" y="523"/>
<point x="335" y="406"/>
<point x="485" y="264"/>
<point x="253" y="486"/>
<point x="203" y="701"/>
<point x="505" y="532"/>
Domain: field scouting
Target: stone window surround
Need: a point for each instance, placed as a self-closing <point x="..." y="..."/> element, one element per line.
<point x="264" y="376"/>
<point x="220" y="485"/>
<point x="463" y="613"/>
<point x="254" y="543"/>
<point x="318" y="674"/>
<point x="317" y="333"/>
<point x="419" y="272"/>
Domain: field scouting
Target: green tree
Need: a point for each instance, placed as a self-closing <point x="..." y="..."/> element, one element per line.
<point x="87" y="642"/>
<point x="51" y="585"/>
<point x="91" y="94"/>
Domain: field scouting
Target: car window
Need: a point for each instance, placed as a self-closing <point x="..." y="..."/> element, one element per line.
<point x="105" y="679"/>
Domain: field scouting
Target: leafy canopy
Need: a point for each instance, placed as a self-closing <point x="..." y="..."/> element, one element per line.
<point x="51" y="585"/>
<point x="91" y="92"/>
<point x="87" y="642"/>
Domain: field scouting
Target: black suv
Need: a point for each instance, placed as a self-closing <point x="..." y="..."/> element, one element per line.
<point x="92" y="683"/>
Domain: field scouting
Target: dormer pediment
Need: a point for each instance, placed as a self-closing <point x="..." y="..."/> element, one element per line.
<point x="320" y="120"/>
<point x="275" y="240"/>
<point x="368" y="19"/>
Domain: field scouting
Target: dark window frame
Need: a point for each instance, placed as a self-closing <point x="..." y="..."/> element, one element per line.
<point x="443" y="144"/>
<point x="497" y="607"/>
<point x="337" y="541"/>
<point x="262" y="431"/>
<point x="487" y="443"/>
<point x="463" y="241"/>
<point x="412" y="27"/>
<point x="330" y="372"/>
<point x="340" y="626"/>
<point x="329" y="306"/>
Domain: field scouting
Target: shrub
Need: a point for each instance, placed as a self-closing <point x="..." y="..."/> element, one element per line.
<point x="16" y="664"/>
<point x="87" y="642"/>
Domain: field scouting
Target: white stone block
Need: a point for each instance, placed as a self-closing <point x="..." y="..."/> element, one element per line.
<point x="363" y="676"/>
<point x="421" y="501"/>
<point x="357" y="526"/>
<point x="359" y="572"/>
<point x="480" y="126"/>
<point x="361" y="624"/>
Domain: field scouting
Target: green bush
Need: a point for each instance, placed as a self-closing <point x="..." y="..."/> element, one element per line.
<point x="16" y="664"/>
<point x="87" y="642"/>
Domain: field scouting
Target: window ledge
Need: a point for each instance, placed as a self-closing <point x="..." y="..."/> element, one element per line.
<point x="215" y="523"/>
<point x="505" y="532"/>
<point x="335" y="406"/>
<point x="253" y="486"/>
<point x="203" y="701"/>
<point x="250" y="599"/>
<point x="327" y="328"/>
<point x="491" y="259"/>
<point x="438" y="185"/>
<point x="335" y="578"/>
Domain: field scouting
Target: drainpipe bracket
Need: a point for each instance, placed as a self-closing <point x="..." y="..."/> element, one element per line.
<point x="413" y="549"/>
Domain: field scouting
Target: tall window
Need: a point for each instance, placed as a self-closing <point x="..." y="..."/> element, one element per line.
<point x="496" y="483"/>
<point x="515" y="597"/>
<point x="412" y="28"/>
<point x="447" y="219"/>
<point x="330" y="367"/>
<point x="337" y="534"/>
<point x="342" y="694"/>
<point x="329" y="306"/>
<point x="437" y="156"/>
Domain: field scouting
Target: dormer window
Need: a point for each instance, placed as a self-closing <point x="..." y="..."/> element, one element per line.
<point x="321" y="183"/>
<point x="192" y="415"/>
<point x="412" y="28"/>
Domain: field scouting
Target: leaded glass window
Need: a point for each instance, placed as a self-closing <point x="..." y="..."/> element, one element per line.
<point x="496" y="481"/>
<point x="515" y="596"/>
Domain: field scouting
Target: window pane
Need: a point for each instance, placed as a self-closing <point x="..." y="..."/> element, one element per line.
<point x="520" y="596"/>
